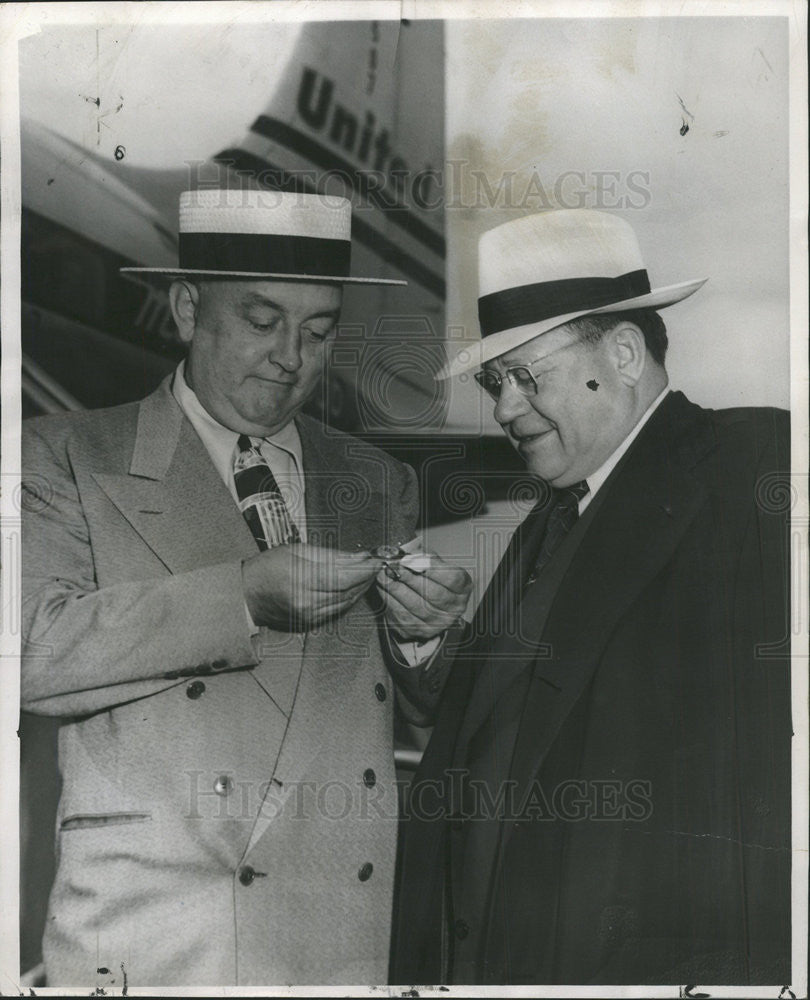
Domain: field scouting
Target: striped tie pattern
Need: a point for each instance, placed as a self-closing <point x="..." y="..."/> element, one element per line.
<point x="260" y="498"/>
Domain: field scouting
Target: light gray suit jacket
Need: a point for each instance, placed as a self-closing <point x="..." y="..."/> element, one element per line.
<point x="228" y="813"/>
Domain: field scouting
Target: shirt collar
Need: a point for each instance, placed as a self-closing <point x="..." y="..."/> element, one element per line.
<point x="287" y="439"/>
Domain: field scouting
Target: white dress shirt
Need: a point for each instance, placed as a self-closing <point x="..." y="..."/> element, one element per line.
<point x="596" y="479"/>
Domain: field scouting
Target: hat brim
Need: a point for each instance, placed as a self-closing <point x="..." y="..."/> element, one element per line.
<point x="475" y="355"/>
<point x="320" y="279"/>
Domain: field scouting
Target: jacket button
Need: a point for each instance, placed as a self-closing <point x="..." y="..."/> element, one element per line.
<point x="369" y="778"/>
<point x="247" y="875"/>
<point x="462" y="929"/>
<point x="223" y="785"/>
<point x="365" y="871"/>
<point x="195" y="690"/>
<point x="380" y="692"/>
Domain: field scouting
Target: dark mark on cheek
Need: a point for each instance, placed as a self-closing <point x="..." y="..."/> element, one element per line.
<point x="592" y="384"/>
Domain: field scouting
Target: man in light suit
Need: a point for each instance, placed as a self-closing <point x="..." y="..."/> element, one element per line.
<point x="606" y="795"/>
<point x="203" y="613"/>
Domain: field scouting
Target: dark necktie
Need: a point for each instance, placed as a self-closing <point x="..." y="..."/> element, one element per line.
<point x="561" y="519"/>
<point x="260" y="498"/>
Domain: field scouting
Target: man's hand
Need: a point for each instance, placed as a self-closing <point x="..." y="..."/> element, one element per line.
<point x="420" y="605"/>
<point x="294" y="587"/>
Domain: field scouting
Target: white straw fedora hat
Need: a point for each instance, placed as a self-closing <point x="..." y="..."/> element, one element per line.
<point x="265" y="234"/>
<point x="541" y="271"/>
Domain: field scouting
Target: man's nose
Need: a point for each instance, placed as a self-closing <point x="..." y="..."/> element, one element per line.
<point x="511" y="403"/>
<point x="285" y="349"/>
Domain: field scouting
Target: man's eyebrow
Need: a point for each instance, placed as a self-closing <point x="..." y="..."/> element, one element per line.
<point x="326" y="314"/>
<point x="531" y="362"/>
<point x="258" y="299"/>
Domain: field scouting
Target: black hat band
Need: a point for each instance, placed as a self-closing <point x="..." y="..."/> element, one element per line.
<point x="265" y="254"/>
<point x="534" y="303"/>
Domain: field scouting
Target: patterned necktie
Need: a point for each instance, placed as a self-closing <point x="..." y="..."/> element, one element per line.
<point x="260" y="499"/>
<point x="561" y="519"/>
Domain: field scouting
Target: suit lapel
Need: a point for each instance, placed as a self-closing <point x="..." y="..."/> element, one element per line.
<point x="331" y="657"/>
<point x="172" y="495"/>
<point x="651" y="499"/>
<point x="495" y="622"/>
<point x="520" y="556"/>
<point x="342" y="510"/>
<point x="176" y="501"/>
<point x="518" y="634"/>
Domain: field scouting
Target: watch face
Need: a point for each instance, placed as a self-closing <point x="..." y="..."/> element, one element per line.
<point x="388" y="552"/>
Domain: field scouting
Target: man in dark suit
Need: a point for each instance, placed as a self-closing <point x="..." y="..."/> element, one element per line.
<point x="605" y="796"/>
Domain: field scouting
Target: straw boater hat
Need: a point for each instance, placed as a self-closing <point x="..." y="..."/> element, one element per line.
<point x="541" y="271"/>
<point x="265" y="234"/>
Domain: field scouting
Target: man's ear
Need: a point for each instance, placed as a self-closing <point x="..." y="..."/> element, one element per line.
<point x="184" y="300"/>
<point x="629" y="352"/>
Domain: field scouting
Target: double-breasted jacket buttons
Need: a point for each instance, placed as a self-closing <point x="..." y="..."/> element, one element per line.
<point x="379" y="691"/>
<point x="247" y="875"/>
<point x="369" y="778"/>
<point x="364" y="874"/>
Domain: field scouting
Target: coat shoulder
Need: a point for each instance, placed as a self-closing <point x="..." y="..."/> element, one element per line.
<point x="741" y="437"/>
<point x="101" y="432"/>
<point x="738" y="455"/>
<point x="761" y="421"/>
<point x="753" y="436"/>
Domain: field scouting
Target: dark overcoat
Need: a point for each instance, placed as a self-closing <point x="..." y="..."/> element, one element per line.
<point x="618" y="803"/>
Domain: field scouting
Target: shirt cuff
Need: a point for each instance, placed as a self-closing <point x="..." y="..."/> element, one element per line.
<point x="415" y="653"/>
<point x="252" y="626"/>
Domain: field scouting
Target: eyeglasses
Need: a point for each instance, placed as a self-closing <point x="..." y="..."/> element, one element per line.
<point x="520" y="377"/>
